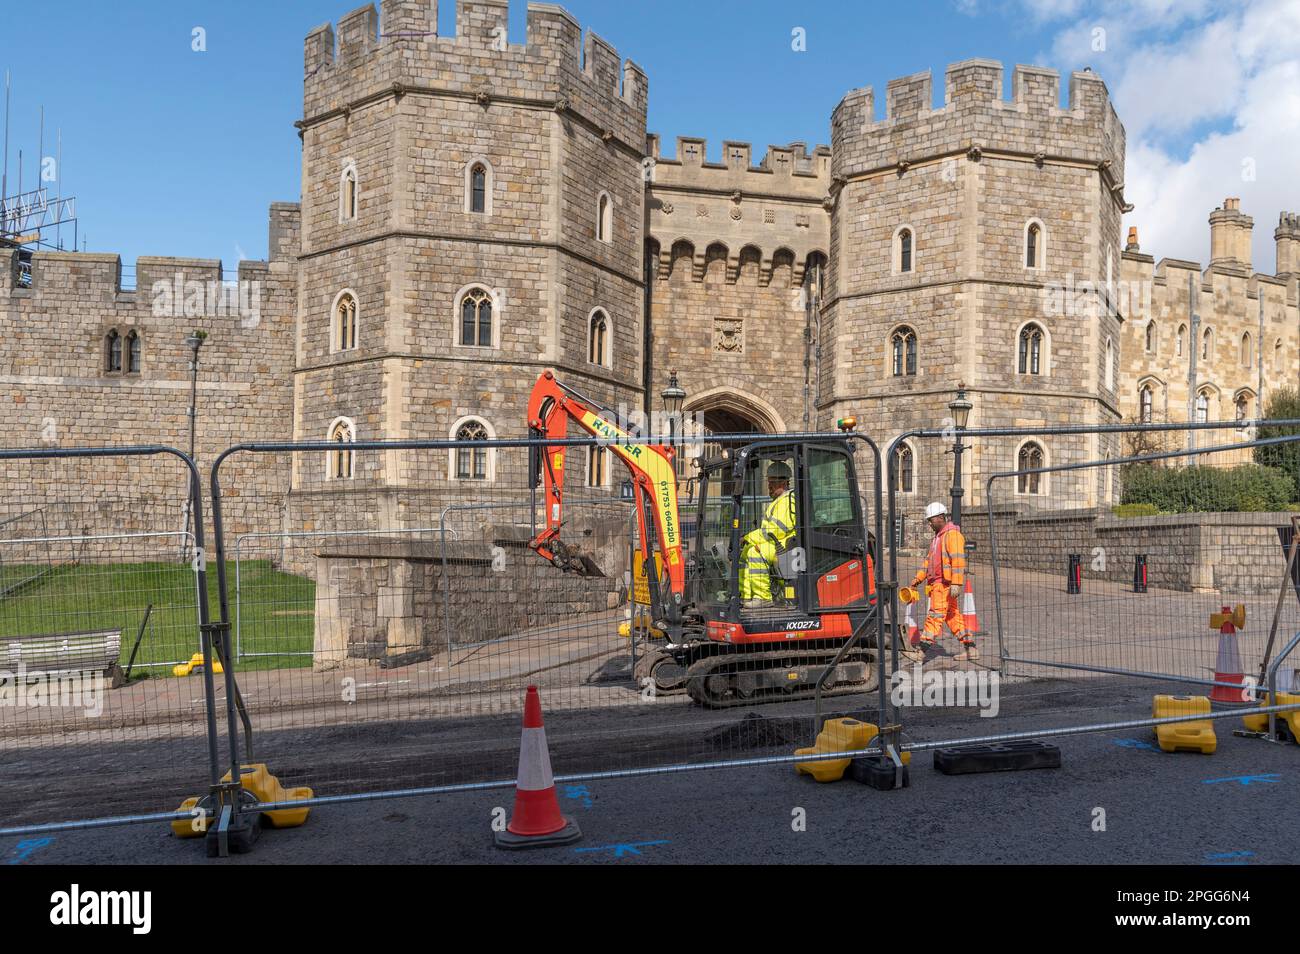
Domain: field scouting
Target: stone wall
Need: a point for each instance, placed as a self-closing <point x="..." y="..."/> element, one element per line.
<point x="732" y="245"/>
<point x="967" y="180"/>
<point x="57" y="388"/>
<point x="393" y="600"/>
<point x="1231" y="301"/>
<point x="558" y="123"/>
<point x="1236" y="554"/>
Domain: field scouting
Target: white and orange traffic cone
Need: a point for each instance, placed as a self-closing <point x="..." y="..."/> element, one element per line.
<point x="913" y="633"/>
<point x="968" y="608"/>
<point x="1227" y="666"/>
<point x="537" y="820"/>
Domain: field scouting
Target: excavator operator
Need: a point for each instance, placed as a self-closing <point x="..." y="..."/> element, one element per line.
<point x="760" y="547"/>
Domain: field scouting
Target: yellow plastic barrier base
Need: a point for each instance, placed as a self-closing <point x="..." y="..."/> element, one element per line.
<point x="838" y="735"/>
<point x="255" y="778"/>
<point x="1184" y="736"/>
<point x="1259" y="723"/>
<point x="625" y="629"/>
<point x="196" y="665"/>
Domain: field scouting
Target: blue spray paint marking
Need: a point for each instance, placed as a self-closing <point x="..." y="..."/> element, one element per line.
<point x="1244" y="779"/>
<point x="25" y="848"/>
<point x="578" y="793"/>
<point x="1137" y="744"/>
<point x="1228" y="857"/>
<point x="627" y="848"/>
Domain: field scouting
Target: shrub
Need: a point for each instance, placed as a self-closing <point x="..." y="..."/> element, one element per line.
<point x="1284" y="405"/>
<point x="1246" y="488"/>
<point x="1135" y="510"/>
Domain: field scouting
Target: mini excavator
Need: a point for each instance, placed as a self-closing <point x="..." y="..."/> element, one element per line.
<point x="722" y="650"/>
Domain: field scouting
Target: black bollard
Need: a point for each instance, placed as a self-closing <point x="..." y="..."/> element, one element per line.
<point x="1140" y="573"/>
<point x="1074" y="574"/>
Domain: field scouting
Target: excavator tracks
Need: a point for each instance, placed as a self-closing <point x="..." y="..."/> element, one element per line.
<point x="739" y="679"/>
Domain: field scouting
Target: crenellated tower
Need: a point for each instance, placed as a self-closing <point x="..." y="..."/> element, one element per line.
<point x="952" y="230"/>
<point x="438" y="170"/>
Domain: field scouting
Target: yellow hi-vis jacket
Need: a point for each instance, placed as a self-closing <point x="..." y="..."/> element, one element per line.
<point x="777" y="527"/>
<point x="945" y="562"/>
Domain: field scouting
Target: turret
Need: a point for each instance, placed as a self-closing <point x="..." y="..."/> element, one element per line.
<point x="1287" y="236"/>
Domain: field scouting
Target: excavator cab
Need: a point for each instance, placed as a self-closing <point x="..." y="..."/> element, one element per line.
<point x="756" y="579"/>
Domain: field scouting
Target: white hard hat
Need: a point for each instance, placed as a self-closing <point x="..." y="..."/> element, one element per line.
<point x="935" y="509"/>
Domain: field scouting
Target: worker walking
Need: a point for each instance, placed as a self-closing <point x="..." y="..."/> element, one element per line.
<point x="760" y="547"/>
<point x="944" y="575"/>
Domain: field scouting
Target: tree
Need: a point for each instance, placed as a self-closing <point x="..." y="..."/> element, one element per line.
<point x="1283" y="405"/>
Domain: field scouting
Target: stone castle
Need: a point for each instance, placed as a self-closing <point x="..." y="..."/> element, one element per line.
<point x="474" y="211"/>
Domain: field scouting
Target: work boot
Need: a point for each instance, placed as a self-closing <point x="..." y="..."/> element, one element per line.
<point x="971" y="651"/>
<point x="755" y="603"/>
<point x="923" y="652"/>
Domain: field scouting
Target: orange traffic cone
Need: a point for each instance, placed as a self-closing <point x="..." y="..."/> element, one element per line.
<point x="1227" y="667"/>
<point x="913" y="634"/>
<point x="537" y="820"/>
<point x="968" y="609"/>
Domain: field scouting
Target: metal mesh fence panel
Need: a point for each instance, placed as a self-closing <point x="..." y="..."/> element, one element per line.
<point x="392" y="604"/>
<point x="1096" y="559"/>
<point x="100" y="602"/>
<point x="1131" y="586"/>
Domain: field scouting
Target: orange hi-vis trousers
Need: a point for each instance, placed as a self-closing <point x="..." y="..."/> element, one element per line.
<point x="944" y="610"/>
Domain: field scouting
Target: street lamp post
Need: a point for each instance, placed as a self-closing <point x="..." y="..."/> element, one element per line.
<point x="960" y="408"/>
<point x="194" y="341"/>
<point x="674" y="395"/>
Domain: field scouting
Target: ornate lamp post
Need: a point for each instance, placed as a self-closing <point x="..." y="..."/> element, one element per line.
<point x="674" y="395"/>
<point x="960" y="408"/>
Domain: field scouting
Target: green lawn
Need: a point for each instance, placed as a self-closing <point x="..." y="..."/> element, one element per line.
<point x="275" y="616"/>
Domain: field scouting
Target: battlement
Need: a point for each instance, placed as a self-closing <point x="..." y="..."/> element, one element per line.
<point x="783" y="169"/>
<point x="98" y="276"/>
<point x="1169" y="276"/>
<point x="975" y="117"/>
<point x="398" y="49"/>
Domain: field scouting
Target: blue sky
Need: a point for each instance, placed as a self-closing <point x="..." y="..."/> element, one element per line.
<point x="176" y="152"/>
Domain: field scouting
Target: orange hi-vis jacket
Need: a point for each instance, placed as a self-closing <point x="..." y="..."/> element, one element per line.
<point x="946" y="560"/>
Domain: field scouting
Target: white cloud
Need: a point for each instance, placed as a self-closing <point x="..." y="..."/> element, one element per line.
<point x="1208" y="93"/>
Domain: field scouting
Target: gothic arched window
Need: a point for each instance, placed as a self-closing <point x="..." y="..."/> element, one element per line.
<point x="903" y="344"/>
<point x="476" y="318"/>
<point x="1030" y="349"/>
<point x="1030" y="458"/>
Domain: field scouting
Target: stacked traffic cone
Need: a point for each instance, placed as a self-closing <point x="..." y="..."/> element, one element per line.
<point x="537" y="820"/>
<point x="968" y="609"/>
<point x="1227" y="667"/>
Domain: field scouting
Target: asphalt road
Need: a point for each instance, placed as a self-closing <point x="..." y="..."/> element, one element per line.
<point x="1234" y="807"/>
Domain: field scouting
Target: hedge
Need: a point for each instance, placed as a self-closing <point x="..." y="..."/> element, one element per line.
<point x="1246" y="488"/>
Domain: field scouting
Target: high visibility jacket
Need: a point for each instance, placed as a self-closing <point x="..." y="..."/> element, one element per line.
<point x="778" y="524"/>
<point x="946" y="560"/>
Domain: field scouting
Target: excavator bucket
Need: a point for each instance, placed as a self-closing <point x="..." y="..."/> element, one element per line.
<point x="571" y="559"/>
<point x="589" y="567"/>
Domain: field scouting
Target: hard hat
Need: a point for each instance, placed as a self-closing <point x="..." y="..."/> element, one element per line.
<point x="935" y="509"/>
<point x="778" y="471"/>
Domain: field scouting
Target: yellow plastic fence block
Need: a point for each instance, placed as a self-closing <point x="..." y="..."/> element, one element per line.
<point x="646" y="625"/>
<point x="196" y="665"/>
<point x="1195" y="736"/>
<point x="1259" y="723"/>
<point x="258" y="779"/>
<point x="1166" y="707"/>
<point x="184" y="827"/>
<point x="837" y="735"/>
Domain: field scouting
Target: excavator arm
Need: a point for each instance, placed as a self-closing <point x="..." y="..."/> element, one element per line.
<point x="550" y="408"/>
